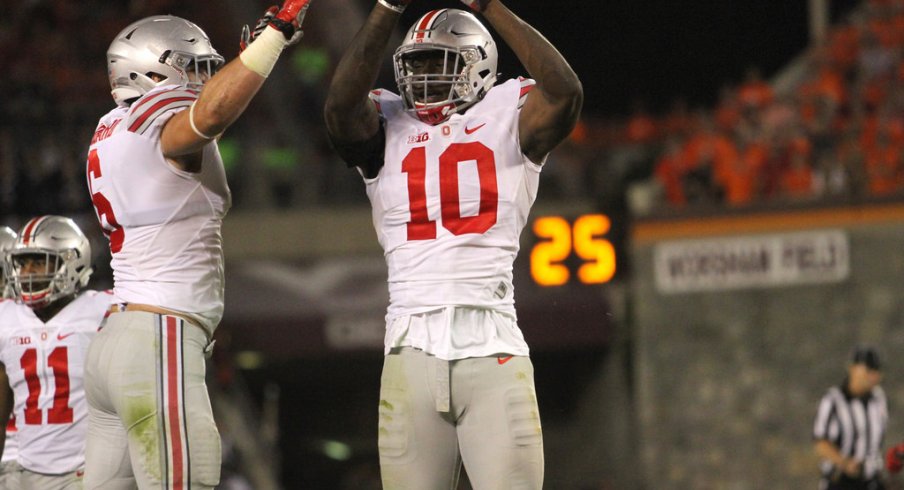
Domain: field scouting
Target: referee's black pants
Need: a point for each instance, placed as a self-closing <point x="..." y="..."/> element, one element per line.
<point x="847" y="483"/>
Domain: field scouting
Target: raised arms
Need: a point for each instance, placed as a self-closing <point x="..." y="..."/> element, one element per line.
<point x="553" y="107"/>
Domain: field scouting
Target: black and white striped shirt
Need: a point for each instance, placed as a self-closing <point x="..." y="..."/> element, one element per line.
<point x="855" y="425"/>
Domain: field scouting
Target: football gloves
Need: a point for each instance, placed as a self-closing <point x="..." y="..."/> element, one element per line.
<point x="286" y="19"/>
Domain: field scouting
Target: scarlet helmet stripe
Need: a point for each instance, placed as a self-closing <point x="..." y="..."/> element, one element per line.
<point x="31" y="228"/>
<point x="426" y="23"/>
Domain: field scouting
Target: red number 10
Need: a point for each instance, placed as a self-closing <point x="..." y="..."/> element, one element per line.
<point x="415" y="165"/>
<point x="60" y="412"/>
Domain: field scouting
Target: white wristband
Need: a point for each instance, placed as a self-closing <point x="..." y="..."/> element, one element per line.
<point x="191" y="122"/>
<point x="396" y="8"/>
<point x="260" y="56"/>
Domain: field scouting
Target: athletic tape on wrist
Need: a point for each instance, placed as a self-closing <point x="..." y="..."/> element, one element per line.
<point x="191" y="122"/>
<point x="396" y="8"/>
<point x="260" y="56"/>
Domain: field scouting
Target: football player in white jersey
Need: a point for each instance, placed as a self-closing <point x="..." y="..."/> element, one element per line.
<point x="9" y="469"/>
<point x="7" y="240"/>
<point x="159" y="190"/>
<point x="44" y="337"/>
<point x="451" y="167"/>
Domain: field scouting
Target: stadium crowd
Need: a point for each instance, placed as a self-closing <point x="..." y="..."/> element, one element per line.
<point x="835" y="131"/>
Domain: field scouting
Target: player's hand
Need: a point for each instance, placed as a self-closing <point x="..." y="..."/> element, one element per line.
<point x="894" y="458"/>
<point x="397" y="5"/>
<point x="289" y="18"/>
<point x="249" y="35"/>
<point x="851" y="468"/>
<point x="476" y="5"/>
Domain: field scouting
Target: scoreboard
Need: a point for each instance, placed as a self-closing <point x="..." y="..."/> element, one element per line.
<point x="567" y="250"/>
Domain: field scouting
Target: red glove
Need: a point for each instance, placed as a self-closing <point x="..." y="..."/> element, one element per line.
<point x="476" y="5"/>
<point x="289" y="18"/>
<point x="248" y="35"/>
<point x="894" y="458"/>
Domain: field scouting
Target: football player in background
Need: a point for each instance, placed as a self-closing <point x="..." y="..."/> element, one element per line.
<point x="7" y="240"/>
<point x="451" y="166"/>
<point x="159" y="190"/>
<point x="9" y="469"/>
<point x="44" y="337"/>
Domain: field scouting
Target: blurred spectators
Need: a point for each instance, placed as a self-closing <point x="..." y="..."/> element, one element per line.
<point x="57" y="88"/>
<point x="837" y="132"/>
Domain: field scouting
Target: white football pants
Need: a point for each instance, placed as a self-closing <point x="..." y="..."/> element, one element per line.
<point x="150" y="424"/>
<point x="436" y="414"/>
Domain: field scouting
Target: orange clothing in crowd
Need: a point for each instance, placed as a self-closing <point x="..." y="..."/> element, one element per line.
<point x="843" y="47"/>
<point x="741" y="178"/>
<point x="826" y="84"/>
<point x="883" y="169"/>
<point x="670" y="169"/>
<point x="641" y="128"/>
<point x="755" y="93"/>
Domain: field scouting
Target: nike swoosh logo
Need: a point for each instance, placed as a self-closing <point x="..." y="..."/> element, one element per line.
<point x="61" y="336"/>
<point x="503" y="360"/>
<point x="471" y="130"/>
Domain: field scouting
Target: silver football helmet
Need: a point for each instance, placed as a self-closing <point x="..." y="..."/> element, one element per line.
<point x="7" y="240"/>
<point x="51" y="259"/>
<point x="174" y="49"/>
<point x="466" y="53"/>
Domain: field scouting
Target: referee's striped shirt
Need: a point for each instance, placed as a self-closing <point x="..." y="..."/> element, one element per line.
<point x="854" y="425"/>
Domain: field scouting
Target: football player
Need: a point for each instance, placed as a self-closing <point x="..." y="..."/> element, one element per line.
<point x="159" y="190"/>
<point x="9" y="470"/>
<point x="451" y="166"/>
<point x="7" y="240"/>
<point x="44" y="337"/>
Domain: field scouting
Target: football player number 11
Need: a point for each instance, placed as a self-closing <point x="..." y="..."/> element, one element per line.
<point x="58" y="361"/>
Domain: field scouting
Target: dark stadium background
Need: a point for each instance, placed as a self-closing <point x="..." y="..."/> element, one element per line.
<point x="626" y="52"/>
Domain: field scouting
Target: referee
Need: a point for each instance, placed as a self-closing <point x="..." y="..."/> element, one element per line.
<point x="850" y="426"/>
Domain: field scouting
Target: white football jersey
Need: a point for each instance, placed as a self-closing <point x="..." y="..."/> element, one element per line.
<point x="163" y="223"/>
<point x="45" y="363"/>
<point x="450" y="202"/>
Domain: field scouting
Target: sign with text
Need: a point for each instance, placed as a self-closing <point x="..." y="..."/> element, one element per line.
<point x="752" y="261"/>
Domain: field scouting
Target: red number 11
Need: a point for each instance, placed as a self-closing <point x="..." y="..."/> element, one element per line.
<point x="60" y="412"/>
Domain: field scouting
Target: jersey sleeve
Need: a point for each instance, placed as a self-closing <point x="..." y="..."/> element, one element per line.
<point x="527" y="84"/>
<point x="150" y="112"/>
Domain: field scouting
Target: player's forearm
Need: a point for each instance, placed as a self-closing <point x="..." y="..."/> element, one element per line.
<point x="554" y="76"/>
<point x="348" y="111"/>
<point x="225" y="97"/>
